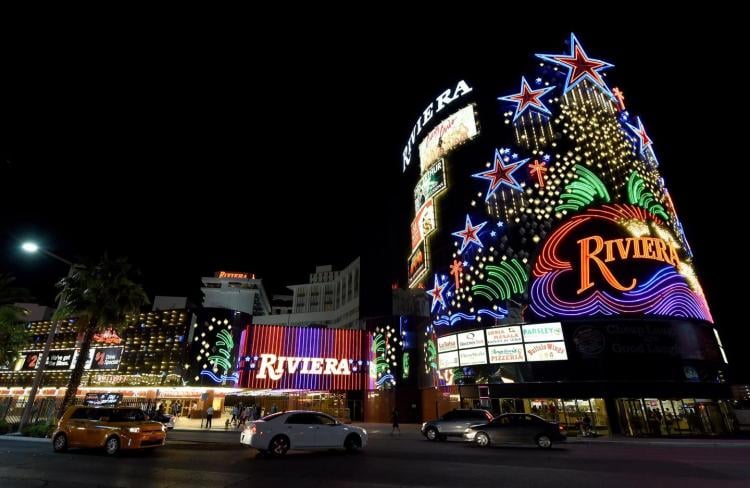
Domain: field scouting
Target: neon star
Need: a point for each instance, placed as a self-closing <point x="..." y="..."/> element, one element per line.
<point x="437" y="293"/>
<point x="456" y="269"/>
<point x="580" y="67"/>
<point x="528" y="98"/>
<point x="501" y="174"/>
<point x="538" y="169"/>
<point x="469" y="234"/>
<point x="640" y="132"/>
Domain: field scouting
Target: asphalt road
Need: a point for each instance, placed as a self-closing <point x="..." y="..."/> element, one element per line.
<point x="211" y="460"/>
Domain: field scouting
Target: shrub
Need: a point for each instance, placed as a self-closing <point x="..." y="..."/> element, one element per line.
<point x="41" y="429"/>
<point x="4" y="427"/>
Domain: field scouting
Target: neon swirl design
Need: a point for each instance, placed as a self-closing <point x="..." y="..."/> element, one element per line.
<point x="666" y="293"/>
<point x="638" y="195"/>
<point x="234" y="377"/>
<point x="385" y="378"/>
<point x="495" y="315"/>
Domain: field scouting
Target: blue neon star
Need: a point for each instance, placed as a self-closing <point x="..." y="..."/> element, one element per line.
<point x="528" y="98"/>
<point x="437" y="293"/>
<point x="580" y="67"/>
<point x="501" y="174"/>
<point x="493" y="233"/>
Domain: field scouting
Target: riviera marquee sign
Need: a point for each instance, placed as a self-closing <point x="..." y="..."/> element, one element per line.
<point x="275" y="366"/>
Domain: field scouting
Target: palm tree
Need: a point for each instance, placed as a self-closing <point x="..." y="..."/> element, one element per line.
<point x="13" y="335"/>
<point x="98" y="295"/>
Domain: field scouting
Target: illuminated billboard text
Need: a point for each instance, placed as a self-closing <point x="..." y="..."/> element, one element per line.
<point x="456" y="129"/>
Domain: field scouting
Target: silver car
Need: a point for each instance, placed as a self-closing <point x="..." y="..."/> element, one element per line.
<point x="454" y="423"/>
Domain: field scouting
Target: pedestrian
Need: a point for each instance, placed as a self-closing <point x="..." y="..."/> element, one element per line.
<point x="586" y="425"/>
<point x="394" y="421"/>
<point x="209" y="416"/>
<point x="274" y="409"/>
<point x="235" y="414"/>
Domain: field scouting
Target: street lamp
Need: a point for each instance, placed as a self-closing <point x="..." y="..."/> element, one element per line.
<point x="31" y="248"/>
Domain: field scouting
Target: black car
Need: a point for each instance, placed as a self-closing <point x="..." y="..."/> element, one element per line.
<point x="454" y="423"/>
<point x="520" y="428"/>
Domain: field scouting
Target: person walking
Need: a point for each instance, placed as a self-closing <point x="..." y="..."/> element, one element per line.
<point x="209" y="416"/>
<point x="394" y="421"/>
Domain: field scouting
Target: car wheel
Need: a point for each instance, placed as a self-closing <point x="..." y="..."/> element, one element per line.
<point x="112" y="446"/>
<point x="60" y="443"/>
<point x="353" y="443"/>
<point x="482" y="439"/>
<point x="279" y="445"/>
<point x="432" y="434"/>
<point x="543" y="441"/>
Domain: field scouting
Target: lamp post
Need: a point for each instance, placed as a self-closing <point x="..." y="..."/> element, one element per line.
<point x="31" y="247"/>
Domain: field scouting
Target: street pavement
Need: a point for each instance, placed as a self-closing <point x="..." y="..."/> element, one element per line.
<point x="215" y="459"/>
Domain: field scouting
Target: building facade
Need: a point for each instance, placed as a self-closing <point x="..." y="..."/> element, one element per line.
<point x="561" y="281"/>
<point x="238" y="291"/>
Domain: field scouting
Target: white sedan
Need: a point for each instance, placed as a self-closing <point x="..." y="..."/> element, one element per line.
<point x="301" y="429"/>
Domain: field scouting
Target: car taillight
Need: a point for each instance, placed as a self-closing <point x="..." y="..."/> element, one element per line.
<point x="561" y="427"/>
<point x="252" y="429"/>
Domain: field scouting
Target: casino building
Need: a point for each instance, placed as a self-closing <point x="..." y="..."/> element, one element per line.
<point x="561" y="281"/>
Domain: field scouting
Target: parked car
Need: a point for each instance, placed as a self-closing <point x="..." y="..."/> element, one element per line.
<point x="165" y="419"/>
<point x="521" y="428"/>
<point x="454" y="423"/>
<point x="112" y="429"/>
<point x="301" y="429"/>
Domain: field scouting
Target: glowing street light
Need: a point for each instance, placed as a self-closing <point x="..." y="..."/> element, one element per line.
<point x="30" y="247"/>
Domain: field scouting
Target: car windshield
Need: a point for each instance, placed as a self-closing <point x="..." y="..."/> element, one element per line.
<point x="127" y="415"/>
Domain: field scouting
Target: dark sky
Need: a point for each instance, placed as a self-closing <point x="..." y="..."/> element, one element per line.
<point x="191" y="152"/>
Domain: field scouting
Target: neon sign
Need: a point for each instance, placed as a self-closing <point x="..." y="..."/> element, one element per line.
<point x="655" y="280"/>
<point x="445" y="98"/>
<point x="235" y="275"/>
<point x="108" y="336"/>
<point x="274" y="366"/>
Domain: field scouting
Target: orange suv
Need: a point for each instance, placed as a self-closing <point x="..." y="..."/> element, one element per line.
<point x="109" y="428"/>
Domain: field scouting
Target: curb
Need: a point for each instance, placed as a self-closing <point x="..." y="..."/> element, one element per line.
<point x="676" y="443"/>
<point x="20" y="438"/>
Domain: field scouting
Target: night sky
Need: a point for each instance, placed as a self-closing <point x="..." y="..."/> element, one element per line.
<point x="191" y="153"/>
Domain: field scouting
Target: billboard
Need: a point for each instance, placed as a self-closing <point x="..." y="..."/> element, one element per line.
<point x="454" y="130"/>
<point x="471" y="357"/>
<point x="542" y="332"/>
<point x="447" y="343"/>
<point x="56" y="360"/>
<point x="506" y="354"/>
<point x="448" y="360"/>
<point x="546" y="351"/>
<point x="504" y="335"/>
<point x="474" y="338"/>
<point x="417" y="264"/>
<point x="423" y="223"/>
<point x="283" y="357"/>
<point x="430" y="184"/>
<point x="105" y="358"/>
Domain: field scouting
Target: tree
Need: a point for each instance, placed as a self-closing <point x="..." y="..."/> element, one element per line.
<point x="13" y="335"/>
<point x="97" y="295"/>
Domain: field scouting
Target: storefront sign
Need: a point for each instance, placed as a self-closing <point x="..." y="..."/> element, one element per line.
<point x="276" y="366"/>
<point x="503" y="335"/>
<point x="447" y="343"/>
<point x="543" y="332"/>
<point x="546" y="351"/>
<point x="448" y="360"/>
<point x="445" y="98"/>
<point x="471" y="339"/>
<point x="430" y="184"/>
<point x="451" y="132"/>
<point x="506" y="354"/>
<point x="470" y="357"/>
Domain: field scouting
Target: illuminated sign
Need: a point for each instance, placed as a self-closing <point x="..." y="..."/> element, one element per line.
<point x="471" y="339"/>
<point x="102" y="399"/>
<point x="108" y="336"/>
<point x="276" y="366"/>
<point x="447" y="343"/>
<point x="235" y="275"/>
<point x="471" y="357"/>
<point x="543" y="332"/>
<point x="221" y="361"/>
<point x="417" y="264"/>
<point x="445" y="98"/>
<point x="503" y="335"/>
<point x="60" y="359"/>
<point x="448" y="360"/>
<point x="105" y="358"/>
<point x="546" y="351"/>
<point x="423" y="223"/>
<point x="454" y="130"/>
<point x="306" y="358"/>
<point x="430" y="184"/>
<point x="615" y="260"/>
<point x="506" y="354"/>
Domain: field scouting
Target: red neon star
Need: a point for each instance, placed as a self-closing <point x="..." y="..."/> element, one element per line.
<point x="469" y="234"/>
<point x="437" y="293"/>
<point x="640" y="132"/>
<point x="501" y="174"/>
<point x="528" y="98"/>
<point x="579" y="65"/>
<point x="538" y="169"/>
<point x="456" y="269"/>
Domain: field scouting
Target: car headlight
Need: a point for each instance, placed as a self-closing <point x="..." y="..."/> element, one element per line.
<point x="163" y="428"/>
<point x="134" y="430"/>
<point x="423" y="425"/>
<point x="364" y="431"/>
